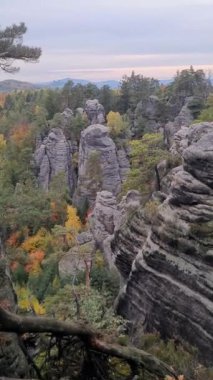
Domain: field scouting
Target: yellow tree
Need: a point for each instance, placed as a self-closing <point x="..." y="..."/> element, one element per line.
<point x="118" y="126"/>
<point x="72" y="224"/>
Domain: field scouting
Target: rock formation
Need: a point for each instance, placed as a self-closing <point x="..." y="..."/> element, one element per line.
<point x="149" y="113"/>
<point x="52" y="157"/>
<point x="74" y="261"/>
<point x="108" y="216"/>
<point x="170" y="286"/>
<point x="99" y="164"/>
<point x="184" y="119"/>
<point x="95" y="112"/>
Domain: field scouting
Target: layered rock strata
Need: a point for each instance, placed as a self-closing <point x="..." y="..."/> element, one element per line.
<point x="108" y="216"/>
<point x="170" y="286"/>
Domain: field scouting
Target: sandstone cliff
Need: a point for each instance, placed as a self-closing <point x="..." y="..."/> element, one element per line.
<point x="100" y="165"/>
<point x="169" y="288"/>
<point x="54" y="154"/>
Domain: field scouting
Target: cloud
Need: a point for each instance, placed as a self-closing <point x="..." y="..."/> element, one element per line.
<point x="92" y="34"/>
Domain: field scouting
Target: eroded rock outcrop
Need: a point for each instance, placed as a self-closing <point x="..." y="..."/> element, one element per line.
<point x="170" y="286"/>
<point x="108" y="216"/>
<point x="95" y="112"/>
<point x="76" y="258"/>
<point x="52" y="157"/>
<point x="149" y="113"/>
<point x="184" y="119"/>
<point x="98" y="164"/>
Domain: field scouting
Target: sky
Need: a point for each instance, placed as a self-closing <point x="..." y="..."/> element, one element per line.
<point x="106" y="39"/>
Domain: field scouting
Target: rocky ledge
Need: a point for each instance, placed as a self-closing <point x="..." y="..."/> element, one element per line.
<point x="170" y="286"/>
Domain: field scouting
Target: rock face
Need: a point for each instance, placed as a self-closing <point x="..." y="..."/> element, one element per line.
<point x="104" y="216"/>
<point x="95" y="112"/>
<point x="12" y="359"/>
<point x="170" y="286"/>
<point x="98" y="164"/>
<point x="52" y="157"/>
<point x="149" y="112"/>
<point x="184" y="119"/>
<point x="74" y="261"/>
<point x="107" y="218"/>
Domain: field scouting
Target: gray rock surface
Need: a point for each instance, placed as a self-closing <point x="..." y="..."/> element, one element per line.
<point x="108" y="216"/>
<point x="170" y="285"/>
<point x="95" y="112"/>
<point x="184" y="119"/>
<point x="52" y="157"/>
<point x="12" y="360"/>
<point x="151" y="112"/>
<point x="74" y="260"/>
<point x="123" y="162"/>
<point x="98" y="164"/>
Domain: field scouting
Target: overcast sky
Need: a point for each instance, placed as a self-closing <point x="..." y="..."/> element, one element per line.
<point x="105" y="39"/>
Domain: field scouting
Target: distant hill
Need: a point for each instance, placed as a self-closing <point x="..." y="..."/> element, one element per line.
<point x="12" y="85"/>
<point x="61" y="82"/>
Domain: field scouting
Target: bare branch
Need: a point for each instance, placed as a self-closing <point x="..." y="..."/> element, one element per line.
<point x="10" y="322"/>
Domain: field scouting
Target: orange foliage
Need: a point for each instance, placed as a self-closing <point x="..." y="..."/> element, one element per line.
<point x="20" y="133"/>
<point x="2" y="99"/>
<point x="13" y="240"/>
<point x="35" y="260"/>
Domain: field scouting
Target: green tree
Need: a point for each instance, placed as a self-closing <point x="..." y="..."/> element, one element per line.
<point x="145" y="155"/>
<point x="11" y="48"/>
<point x="134" y="89"/>
<point x="207" y="113"/>
<point x="187" y="83"/>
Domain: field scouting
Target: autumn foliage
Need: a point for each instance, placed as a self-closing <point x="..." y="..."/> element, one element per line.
<point x="35" y="259"/>
<point x="72" y="224"/>
<point x="20" y="133"/>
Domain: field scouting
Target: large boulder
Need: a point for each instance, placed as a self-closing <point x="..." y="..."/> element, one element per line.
<point x="169" y="286"/>
<point x="74" y="260"/>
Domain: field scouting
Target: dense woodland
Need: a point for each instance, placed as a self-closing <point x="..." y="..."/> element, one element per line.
<point x="38" y="228"/>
